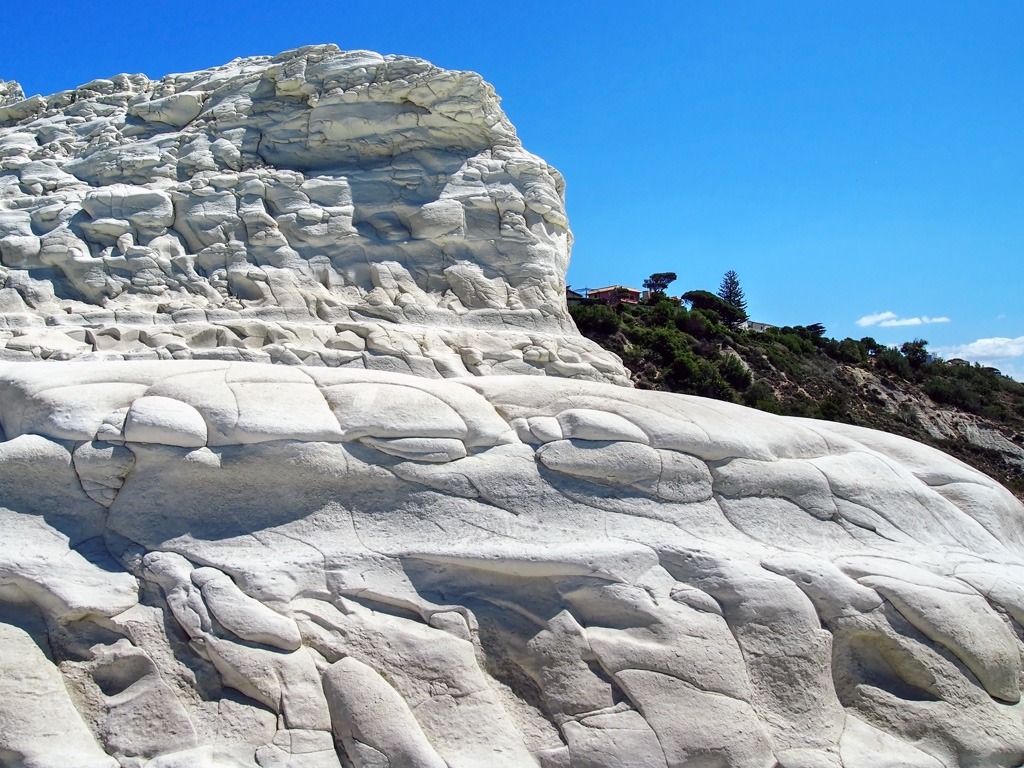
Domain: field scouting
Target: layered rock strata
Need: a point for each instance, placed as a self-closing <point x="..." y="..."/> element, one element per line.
<point x="317" y="207"/>
<point x="222" y="563"/>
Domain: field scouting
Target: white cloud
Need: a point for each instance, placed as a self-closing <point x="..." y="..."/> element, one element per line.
<point x="867" y="320"/>
<point x="924" y="320"/>
<point x="896" y="322"/>
<point x="986" y="350"/>
<point x="892" y="320"/>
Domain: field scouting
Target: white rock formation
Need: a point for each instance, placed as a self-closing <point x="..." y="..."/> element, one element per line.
<point x="317" y="207"/>
<point x="490" y="571"/>
<point x="225" y="563"/>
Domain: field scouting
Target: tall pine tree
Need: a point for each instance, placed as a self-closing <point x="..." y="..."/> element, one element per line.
<point x="731" y="292"/>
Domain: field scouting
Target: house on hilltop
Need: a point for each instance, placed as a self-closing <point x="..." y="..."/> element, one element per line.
<point x="615" y="294"/>
<point x="752" y="325"/>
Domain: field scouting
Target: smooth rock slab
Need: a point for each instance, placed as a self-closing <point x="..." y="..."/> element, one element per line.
<point x="573" y="601"/>
<point x="156" y="419"/>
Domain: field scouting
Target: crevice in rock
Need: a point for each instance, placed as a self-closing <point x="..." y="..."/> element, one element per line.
<point x="866" y="660"/>
<point x="494" y="658"/>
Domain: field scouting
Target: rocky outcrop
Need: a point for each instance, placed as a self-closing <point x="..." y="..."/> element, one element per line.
<point x="221" y="562"/>
<point x="318" y="207"/>
<point x="944" y="423"/>
<point x="212" y="563"/>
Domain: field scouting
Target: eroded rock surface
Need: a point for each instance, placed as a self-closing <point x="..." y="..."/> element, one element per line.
<point x="223" y="563"/>
<point x="371" y="569"/>
<point x="324" y="207"/>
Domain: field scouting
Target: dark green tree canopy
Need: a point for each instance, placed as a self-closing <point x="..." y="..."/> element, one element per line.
<point x="731" y="292"/>
<point x="658" y="282"/>
<point x="731" y="315"/>
<point x="916" y="352"/>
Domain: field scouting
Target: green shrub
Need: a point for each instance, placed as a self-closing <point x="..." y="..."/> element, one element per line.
<point x="693" y="323"/>
<point x="662" y="314"/>
<point x="953" y="392"/>
<point x="850" y="351"/>
<point x="595" y="318"/>
<point x="661" y="342"/>
<point x="760" y="395"/>
<point x="711" y="384"/>
<point x="890" y="360"/>
<point x="734" y="372"/>
<point x="782" y="359"/>
<point x="835" y="406"/>
<point x="795" y="343"/>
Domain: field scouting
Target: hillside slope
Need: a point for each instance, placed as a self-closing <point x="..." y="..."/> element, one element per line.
<point x="969" y="411"/>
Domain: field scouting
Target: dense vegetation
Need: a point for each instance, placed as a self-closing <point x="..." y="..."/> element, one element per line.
<point x="799" y="371"/>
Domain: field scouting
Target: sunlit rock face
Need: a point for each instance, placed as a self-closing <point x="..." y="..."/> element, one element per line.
<point x="317" y="207"/>
<point x="212" y="563"/>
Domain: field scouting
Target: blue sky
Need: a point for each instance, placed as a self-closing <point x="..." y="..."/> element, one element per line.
<point x="851" y="161"/>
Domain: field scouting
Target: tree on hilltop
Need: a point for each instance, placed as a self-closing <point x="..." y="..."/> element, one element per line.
<point x="658" y="282"/>
<point x="706" y="301"/>
<point x="916" y="352"/>
<point x="731" y="292"/>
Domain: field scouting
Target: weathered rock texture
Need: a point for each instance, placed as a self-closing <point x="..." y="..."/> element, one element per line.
<point x="243" y="564"/>
<point x="212" y="563"/>
<point x="318" y="207"/>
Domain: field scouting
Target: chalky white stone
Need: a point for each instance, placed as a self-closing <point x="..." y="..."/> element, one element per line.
<point x="317" y="207"/>
<point x="222" y="562"/>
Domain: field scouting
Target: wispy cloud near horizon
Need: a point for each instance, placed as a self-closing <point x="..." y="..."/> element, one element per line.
<point x="892" y="320"/>
<point x="923" y="320"/>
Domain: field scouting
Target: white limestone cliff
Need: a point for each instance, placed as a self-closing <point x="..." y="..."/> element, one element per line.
<point x="316" y="207"/>
<point x="212" y="563"/>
